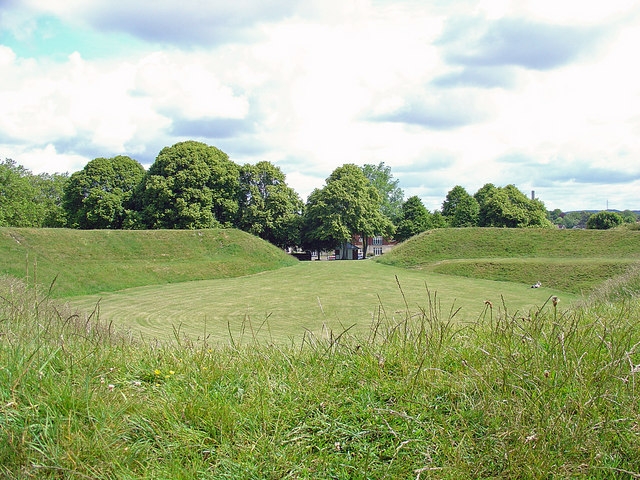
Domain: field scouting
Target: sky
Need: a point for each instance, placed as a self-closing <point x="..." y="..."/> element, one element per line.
<point x="542" y="94"/>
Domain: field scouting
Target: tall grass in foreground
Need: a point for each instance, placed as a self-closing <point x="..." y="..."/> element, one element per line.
<point x="551" y="394"/>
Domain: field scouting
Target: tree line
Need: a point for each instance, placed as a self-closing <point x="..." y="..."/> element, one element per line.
<point x="192" y="185"/>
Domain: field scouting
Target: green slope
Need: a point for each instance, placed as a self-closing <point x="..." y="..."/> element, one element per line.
<point x="571" y="260"/>
<point x="90" y="261"/>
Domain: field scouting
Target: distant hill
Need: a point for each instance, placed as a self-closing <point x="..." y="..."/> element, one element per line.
<point x="92" y="261"/>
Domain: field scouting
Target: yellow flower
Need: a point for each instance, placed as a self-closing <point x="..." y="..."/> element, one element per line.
<point x="171" y="372"/>
<point x="157" y="372"/>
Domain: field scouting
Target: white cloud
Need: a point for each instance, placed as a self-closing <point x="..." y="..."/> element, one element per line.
<point x="301" y="84"/>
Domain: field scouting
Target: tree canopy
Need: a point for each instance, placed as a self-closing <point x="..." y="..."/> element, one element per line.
<point x="268" y="208"/>
<point x="194" y="185"/>
<point x="190" y="185"/>
<point x="98" y="195"/>
<point x="509" y="207"/>
<point x="391" y="194"/>
<point x="347" y="205"/>
<point x="28" y="200"/>
<point x="460" y="209"/>
<point x="415" y="219"/>
<point x="604" y="220"/>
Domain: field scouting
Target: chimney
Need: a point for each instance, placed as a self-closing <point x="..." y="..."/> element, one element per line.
<point x="533" y="194"/>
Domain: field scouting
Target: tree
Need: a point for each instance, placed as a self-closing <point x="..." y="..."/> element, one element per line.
<point x="604" y="220"/>
<point x="50" y="193"/>
<point x="268" y="208"/>
<point x="575" y="219"/>
<point x="16" y="196"/>
<point x="347" y="205"/>
<point x="481" y="197"/>
<point x="438" y="220"/>
<point x="460" y="209"/>
<point x="509" y="207"/>
<point x="98" y="195"/>
<point x="415" y="219"/>
<point x="28" y="200"/>
<point x="555" y="216"/>
<point x="391" y="194"/>
<point x="628" y="216"/>
<point x="190" y="185"/>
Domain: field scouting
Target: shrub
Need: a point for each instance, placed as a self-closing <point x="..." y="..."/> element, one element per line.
<point x="604" y="220"/>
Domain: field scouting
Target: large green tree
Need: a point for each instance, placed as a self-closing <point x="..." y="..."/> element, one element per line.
<point x="98" y="196"/>
<point x="391" y="194"/>
<point x="604" y="220"/>
<point x="509" y="207"/>
<point x="28" y="200"/>
<point x="50" y="193"/>
<point x="460" y="209"/>
<point x="190" y="185"/>
<point x="415" y="219"/>
<point x="481" y="197"/>
<point x="347" y="205"/>
<point x="268" y="208"/>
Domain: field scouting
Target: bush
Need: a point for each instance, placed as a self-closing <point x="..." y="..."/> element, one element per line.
<point x="604" y="220"/>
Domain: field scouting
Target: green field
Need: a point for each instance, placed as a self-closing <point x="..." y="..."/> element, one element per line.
<point x="320" y="297"/>
<point x="426" y="393"/>
<point x="226" y="284"/>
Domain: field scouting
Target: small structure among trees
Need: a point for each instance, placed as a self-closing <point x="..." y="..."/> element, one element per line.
<point x="347" y="205"/>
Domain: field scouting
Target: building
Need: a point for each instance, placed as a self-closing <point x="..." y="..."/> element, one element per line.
<point x="376" y="246"/>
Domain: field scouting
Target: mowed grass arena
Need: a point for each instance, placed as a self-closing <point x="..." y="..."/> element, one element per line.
<point x="218" y="284"/>
<point x="214" y="355"/>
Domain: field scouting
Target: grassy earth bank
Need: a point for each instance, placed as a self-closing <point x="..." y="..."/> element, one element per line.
<point x="84" y="262"/>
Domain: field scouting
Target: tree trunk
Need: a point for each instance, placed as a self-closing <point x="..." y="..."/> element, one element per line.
<point x="365" y="244"/>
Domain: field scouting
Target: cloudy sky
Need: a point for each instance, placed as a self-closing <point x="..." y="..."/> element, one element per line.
<point x="543" y="94"/>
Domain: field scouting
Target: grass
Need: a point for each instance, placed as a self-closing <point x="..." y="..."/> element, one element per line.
<point x="524" y="387"/>
<point x="549" y="393"/>
<point x="471" y="243"/>
<point x="84" y="262"/>
<point x="317" y="297"/>
<point x="205" y="284"/>
<point x="573" y="261"/>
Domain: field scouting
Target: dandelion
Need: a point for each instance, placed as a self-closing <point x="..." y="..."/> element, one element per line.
<point x="171" y="372"/>
<point x="157" y="372"/>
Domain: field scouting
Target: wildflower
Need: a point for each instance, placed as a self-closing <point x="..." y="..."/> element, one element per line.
<point x="137" y="383"/>
<point x="111" y="387"/>
<point x="157" y="372"/>
<point x="171" y="372"/>
<point x="546" y="374"/>
<point x="555" y="301"/>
